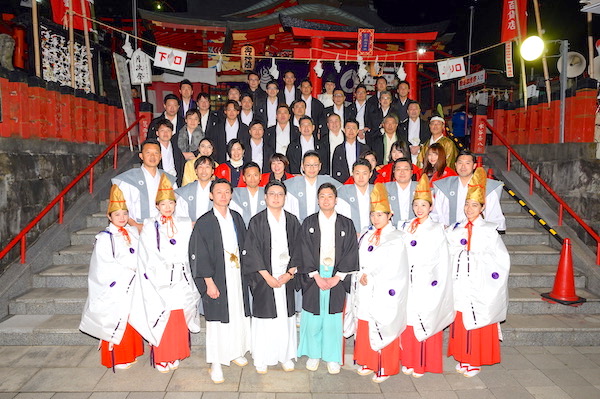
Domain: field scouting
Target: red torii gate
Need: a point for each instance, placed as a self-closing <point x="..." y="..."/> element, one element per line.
<point x="410" y="55"/>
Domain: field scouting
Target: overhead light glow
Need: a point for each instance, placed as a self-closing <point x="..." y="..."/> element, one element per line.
<point x="421" y="50"/>
<point x="532" y="48"/>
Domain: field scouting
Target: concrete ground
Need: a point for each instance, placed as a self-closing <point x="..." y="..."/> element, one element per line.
<point x="73" y="372"/>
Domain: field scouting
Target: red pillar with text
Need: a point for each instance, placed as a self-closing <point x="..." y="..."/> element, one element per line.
<point x="316" y="45"/>
<point x="478" y="135"/>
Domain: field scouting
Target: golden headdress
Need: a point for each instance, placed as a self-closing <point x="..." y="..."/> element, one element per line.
<point x="423" y="190"/>
<point x="379" y="199"/>
<point x="116" y="200"/>
<point x="165" y="189"/>
<point x="476" y="187"/>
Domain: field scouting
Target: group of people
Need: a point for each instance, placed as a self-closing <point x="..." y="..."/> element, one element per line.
<point x="352" y="236"/>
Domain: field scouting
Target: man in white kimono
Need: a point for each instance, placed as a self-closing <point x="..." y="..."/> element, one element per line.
<point x="270" y="261"/>
<point x="401" y="191"/>
<point x="215" y="248"/>
<point x="140" y="185"/>
<point x="451" y="192"/>
<point x="354" y="200"/>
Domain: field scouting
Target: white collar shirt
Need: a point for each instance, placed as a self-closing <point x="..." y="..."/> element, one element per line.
<point x="168" y="160"/>
<point x="231" y="131"/>
<point x="307" y="145"/>
<point x="350" y="153"/>
<point x="271" y="112"/>
<point x="282" y="138"/>
<point x="404" y="202"/>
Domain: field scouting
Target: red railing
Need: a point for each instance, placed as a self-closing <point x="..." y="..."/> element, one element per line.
<point x="562" y="205"/>
<point x="60" y="197"/>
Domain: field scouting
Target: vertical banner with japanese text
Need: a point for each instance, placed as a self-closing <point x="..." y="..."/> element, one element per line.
<point x="514" y="20"/>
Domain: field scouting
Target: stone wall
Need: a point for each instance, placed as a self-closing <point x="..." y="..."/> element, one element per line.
<point x="573" y="171"/>
<point x="32" y="173"/>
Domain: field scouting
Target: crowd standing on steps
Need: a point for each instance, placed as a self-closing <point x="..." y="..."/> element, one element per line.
<point x="294" y="223"/>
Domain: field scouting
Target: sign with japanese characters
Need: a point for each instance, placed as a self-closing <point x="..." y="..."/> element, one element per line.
<point x="514" y="20"/>
<point x="247" y="61"/>
<point x="474" y="79"/>
<point x="453" y="68"/>
<point x="366" y="38"/>
<point x="140" y="69"/>
<point x="169" y="58"/>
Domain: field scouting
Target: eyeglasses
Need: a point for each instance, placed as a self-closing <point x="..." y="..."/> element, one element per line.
<point x="271" y="194"/>
<point x="338" y="95"/>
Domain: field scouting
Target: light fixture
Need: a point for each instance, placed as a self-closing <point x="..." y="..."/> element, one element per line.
<point x="532" y="48"/>
<point x="421" y="50"/>
<point x="159" y="6"/>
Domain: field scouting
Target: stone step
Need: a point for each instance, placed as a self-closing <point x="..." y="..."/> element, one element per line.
<point x="75" y="254"/>
<point x="56" y="330"/>
<point x="525" y="236"/>
<point x="526" y="300"/>
<point x="538" y="276"/>
<point x="511" y="206"/>
<point x="49" y="301"/>
<point x="62" y="276"/>
<point x="570" y="329"/>
<point x="97" y="220"/>
<point x="519" y="220"/>
<point x="533" y="255"/>
<point x="86" y="236"/>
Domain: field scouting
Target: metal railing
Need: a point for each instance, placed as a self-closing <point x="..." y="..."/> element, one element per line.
<point x="59" y="199"/>
<point x="533" y="176"/>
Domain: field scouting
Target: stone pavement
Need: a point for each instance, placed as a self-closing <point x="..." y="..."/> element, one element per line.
<point x="73" y="372"/>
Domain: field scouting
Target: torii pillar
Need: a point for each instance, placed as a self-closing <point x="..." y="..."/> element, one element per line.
<point x="410" y="47"/>
<point x="316" y="45"/>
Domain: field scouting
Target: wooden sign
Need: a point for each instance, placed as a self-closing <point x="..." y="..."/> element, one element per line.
<point x="247" y="61"/>
<point x="366" y="38"/>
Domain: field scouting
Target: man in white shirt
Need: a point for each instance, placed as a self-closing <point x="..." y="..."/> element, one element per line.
<point x="268" y="108"/>
<point x="450" y="196"/>
<point x="334" y="135"/>
<point x="186" y="91"/>
<point x="225" y="131"/>
<point x="403" y="100"/>
<point x="338" y="107"/>
<point x="172" y="160"/>
<point x="249" y="200"/>
<point x="346" y="153"/>
<point x="354" y="200"/>
<point x="314" y="107"/>
<point x="298" y="110"/>
<point x="193" y="199"/>
<point x="283" y="133"/>
<point x="401" y="191"/>
<point x="140" y="185"/>
<point x="171" y="113"/>
<point x="306" y="142"/>
<point x="257" y="149"/>
<point x="247" y="111"/>
<point x="358" y="110"/>
<point x="208" y="119"/>
<point x="381" y="143"/>
<point x="290" y="92"/>
<point x="414" y="130"/>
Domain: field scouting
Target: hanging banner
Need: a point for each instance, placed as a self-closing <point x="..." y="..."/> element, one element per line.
<point x="474" y="79"/>
<point x="450" y="69"/>
<point x="139" y="68"/>
<point x="169" y="58"/>
<point x="366" y="38"/>
<point x="247" y="58"/>
<point x="513" y="11"/>
<point x="508" y="59"/>
<point x="60" y="12"/>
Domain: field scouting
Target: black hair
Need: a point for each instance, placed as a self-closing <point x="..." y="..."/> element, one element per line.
<point x="352" y="121"/>
<point x="311" y="153"/>
<point x="170" y="97"/>
<point x="325" y="186"/>
<point x="467" y="153"/>
<point x="249" y="165"/>
<point x="233" y="142"/>
<point x="219" y="181"/>
<point x="403" y="82"/>
<point x="149" y="141"/>
<point x="164" y="122"/>
<point x="186" y="82"/>
<point x="237" y="106"/>
<point x="202" y="160"/>
<point x="362" y="162"/>
<point x="256" y="122"/>
<point x="275" y="183"/>
<point x="306" y="117"/>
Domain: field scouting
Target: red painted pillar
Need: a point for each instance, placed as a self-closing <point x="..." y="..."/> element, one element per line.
<point x="499" y="121"/>
<point x="410" y="47"/>
<point x="146" y="111"/>
<point x="478" y="135"/>
<point x="36" y="97"/>
<point x="316" y="44"/>
<point x="4" y="97"/>
<point x="20" y="48"/>
<point x="584" y="115"/>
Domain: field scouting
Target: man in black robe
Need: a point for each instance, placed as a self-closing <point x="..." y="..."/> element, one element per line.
<point x="329" y="253"/>
<point x="215" y="247"/>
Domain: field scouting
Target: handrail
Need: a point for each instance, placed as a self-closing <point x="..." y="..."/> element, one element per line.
<point x="60" y="197"/>
<point x="562" y="205"/>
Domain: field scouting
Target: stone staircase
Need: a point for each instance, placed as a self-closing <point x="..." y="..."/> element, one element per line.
<point x="49" y="313"/>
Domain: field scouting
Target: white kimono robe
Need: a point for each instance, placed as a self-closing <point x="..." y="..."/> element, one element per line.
<point x="430" y="305"/>
<point x="382" y="302"/>
<point x="165" y="278"/>
<point x="111" y="281"/>
<point x="479" y="276"/>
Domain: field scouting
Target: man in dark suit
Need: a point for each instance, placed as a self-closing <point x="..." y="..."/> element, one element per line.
<point x="266" y="109"/>
<point x="338" y="107"/>
<point x="380" y="87"/>
<point x="230" y="128"/>
<point x="314" y="107"/>
<point x="290" y="92"/>
<point x="254" y="89"/>
<point x="414" y="130"/>
<point x="306" y="142"/>
<point x="172" y="159"/>
<point x="257" y="149"/>
<point x="171" y="112"/>
<point x="402" y="102"/>
<point x="375" y="118"/>
<point x="208" y="118"/>
<point x="347" y="153"/>
<point x="284" y="132"/>
<point x="381" y="142"/>
<point x="187" y="102"/>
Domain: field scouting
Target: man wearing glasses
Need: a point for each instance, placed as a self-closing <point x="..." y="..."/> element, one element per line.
<point x="401" y="191"/>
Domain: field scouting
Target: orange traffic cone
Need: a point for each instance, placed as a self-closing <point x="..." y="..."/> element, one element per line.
<point x="563" y="291"/>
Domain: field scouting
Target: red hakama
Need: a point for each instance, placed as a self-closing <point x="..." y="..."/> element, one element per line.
<point x="476" y="347"/>
<point x="175" y="342"/>
<point x="423" y="357"/>
<point x="386" y="363"/>
<point x="131" y="346"/>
